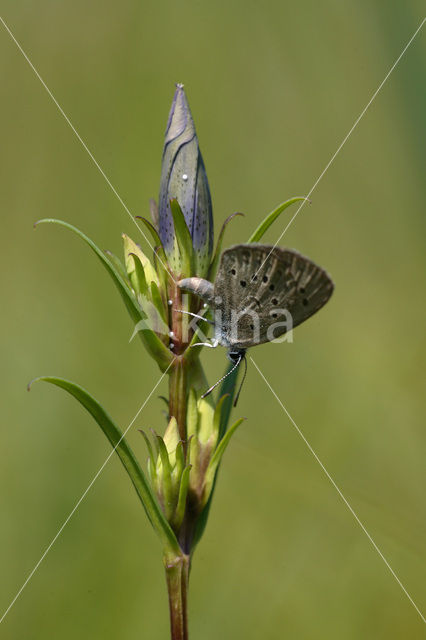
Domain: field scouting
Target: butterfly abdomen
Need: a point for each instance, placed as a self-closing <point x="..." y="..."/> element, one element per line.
<point x="200" y="287"/>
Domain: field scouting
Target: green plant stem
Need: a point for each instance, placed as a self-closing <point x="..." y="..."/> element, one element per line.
<point x="177" y="575"/>
<point x="178" y="395"/>
<point x="186" y="372"/>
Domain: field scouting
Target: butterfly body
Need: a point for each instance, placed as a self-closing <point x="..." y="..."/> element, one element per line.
<point x="259" y="293"/>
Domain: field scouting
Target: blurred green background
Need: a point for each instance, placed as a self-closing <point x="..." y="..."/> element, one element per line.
<point x="274" y="87"/>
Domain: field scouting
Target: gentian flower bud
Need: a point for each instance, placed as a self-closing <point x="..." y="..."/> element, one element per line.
<point x="183" y="177"/>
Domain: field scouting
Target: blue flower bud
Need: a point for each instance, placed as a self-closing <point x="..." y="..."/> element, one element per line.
<point x="183" y="176"/>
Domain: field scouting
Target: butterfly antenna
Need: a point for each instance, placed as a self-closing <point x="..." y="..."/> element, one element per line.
<point x="237" y="364"/>
<point x="243" y="380"/>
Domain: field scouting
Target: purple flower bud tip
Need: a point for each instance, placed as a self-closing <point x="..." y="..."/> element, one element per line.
<point x="183" y="177"/>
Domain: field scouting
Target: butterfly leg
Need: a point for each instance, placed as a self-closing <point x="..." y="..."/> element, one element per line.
<point x="194" y="315"/>
<point x="213" y="344"/>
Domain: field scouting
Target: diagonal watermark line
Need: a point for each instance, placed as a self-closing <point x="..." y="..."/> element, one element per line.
<point x="84" y="494"/>
<point x="84" y="145"/>
<point x="340" y="492"/>
<point x="345" y="139"/>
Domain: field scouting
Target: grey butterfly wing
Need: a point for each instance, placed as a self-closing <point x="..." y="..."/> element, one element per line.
<point x="259" y="285"/>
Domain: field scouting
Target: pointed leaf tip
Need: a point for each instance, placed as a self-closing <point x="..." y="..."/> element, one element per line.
<point x="152" y="342"/>
<point x="29" y="385"/>
<point x="215" y="460"/>
<point x="126" y="455"/>
<point x="271" y="217"/>
<point x="183" y="237"/>
<point x="215" y="261"/>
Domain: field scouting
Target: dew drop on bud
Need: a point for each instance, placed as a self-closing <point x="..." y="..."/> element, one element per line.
<point x="185" y="177"/>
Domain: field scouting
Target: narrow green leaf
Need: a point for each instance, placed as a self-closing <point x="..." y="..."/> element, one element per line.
<point x="202" y="520"/>
<point x="137" y="274"/>
<point x="153" y="209"/>
<point x="118" y="265"/>
<point x="131" y="247"/>
<point x="171" y="439"/>
<point x="155" y="441"/>
<point x="215" y="262"/>
<point x="227" y="390"/>
<point x="217" y="419"/>
<point x="123" y="288"/>
<point x="160" y="259"/>
<point x="165" y="477"/>
<point x="161" y="268"/>
<point x="181" y="504"/>
<point x="220" y="450"/>
<point x="216" y="458"/>
<point x="157" y="349"/>
<point x="271" y="217"/>
<point x="210" y="487"/>
<point x="155" y="321"/>
<point x="183" y="237"/>
<point x="192" y="413"/>
<point x="152" y="461"/>
<point x="163" y="462"/>
<point x="158" y="301"/>
<point x="124" y="452"/>
<point x="152" y="230"/>
<point x="205" y="418"/>
<point x="180" y="461"/>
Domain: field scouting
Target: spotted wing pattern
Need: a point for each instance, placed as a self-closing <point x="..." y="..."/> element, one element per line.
<point x="258" y="286"/>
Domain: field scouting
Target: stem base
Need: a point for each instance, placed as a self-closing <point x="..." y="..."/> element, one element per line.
<point x="177" y="576"/>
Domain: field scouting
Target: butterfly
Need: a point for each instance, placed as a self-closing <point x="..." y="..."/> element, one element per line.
<point x="255" y="288"/>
